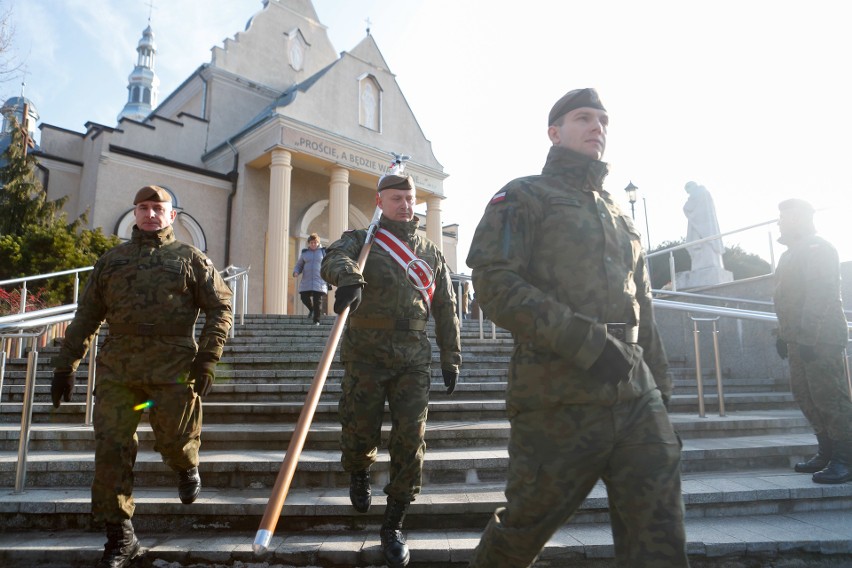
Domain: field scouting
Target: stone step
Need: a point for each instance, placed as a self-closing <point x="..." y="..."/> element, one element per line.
<point x="325" y="431"/>
<point x="483" y="462"/>
<point x="741" y="495"/>
<point x="287" y="391"/>
<point x="817" y="539"/>
<point x="221" y="510"/>
<point x="227" y="372"/>
<point x="481" y="404"/>
<point x="295" y="359"/>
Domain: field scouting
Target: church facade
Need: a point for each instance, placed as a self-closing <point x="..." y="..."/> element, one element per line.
<point x="275" y="138"/>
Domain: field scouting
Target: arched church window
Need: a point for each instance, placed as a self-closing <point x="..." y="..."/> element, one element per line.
<point x="370" y="103"/>
<point x="134" y="94"/>
<point x="146" y="96"/>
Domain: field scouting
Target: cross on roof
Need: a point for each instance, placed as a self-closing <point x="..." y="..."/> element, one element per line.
<point x="150" y="5"/>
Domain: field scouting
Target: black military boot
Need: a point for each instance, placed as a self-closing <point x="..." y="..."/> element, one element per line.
<point x="821" y="459"/>
<point x="189" y="485"/>
<point x="121" y="546"/>
<point x="837" y="470"/>
<point x="393" y="541"/>
<point x="360" y="493"/>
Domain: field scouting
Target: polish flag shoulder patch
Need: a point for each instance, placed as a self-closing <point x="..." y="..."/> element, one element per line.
<point x="498" y="197"/>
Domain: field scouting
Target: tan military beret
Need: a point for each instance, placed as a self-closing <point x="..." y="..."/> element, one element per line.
<point x="152" y="193"/>
<point x="799" y="206"/>
<point x="572" y="100"/>
<point x="394" y="181"/>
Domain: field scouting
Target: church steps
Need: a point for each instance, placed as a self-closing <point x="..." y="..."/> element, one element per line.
<point x="735" y="467"/>
<point x="221" y="509"/>
<point x="254" y="460"/>
<point x="812" y="539"/>
<point x="262" y="409"/>
<point x="440" y="433"/>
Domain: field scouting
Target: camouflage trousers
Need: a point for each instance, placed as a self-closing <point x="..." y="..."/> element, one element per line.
<point x="174" y="412"/>
<point x="556" y="456"/>
<point x="821" y="389"/>
<point x="361" y="409"/>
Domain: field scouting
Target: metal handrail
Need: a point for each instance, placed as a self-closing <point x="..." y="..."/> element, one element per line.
<point x="237" y="280"/>
<point x="767" y="303"/>
<point x="716" y="312"/>
<point x="698" y="377"/>
<point x="670" y="250"/>
<point x="46" y="275"/>
<point x="36" y="318"/>
<point x="658" y="293"/>
<point x="721" y="311"/>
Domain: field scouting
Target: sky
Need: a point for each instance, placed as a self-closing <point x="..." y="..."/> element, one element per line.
<point x="750" y="98"/>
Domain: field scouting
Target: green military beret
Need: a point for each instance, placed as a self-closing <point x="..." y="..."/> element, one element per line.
<point x="795" y="206"/>
<point x="152" y="193"/>
<point x="395" y="181"/>
<point x="572" y="100"/>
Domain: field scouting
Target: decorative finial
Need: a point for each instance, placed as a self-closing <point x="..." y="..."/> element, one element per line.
<point x="150" y="5"/>
<point x="369" y="23"/>
<point x="398" y="164"/>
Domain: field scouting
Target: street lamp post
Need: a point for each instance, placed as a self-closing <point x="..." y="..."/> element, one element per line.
<point x="647" y="227"/>
<point x="631" y="197"/>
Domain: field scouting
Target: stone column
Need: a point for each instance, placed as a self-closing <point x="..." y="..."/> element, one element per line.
<point x="433" y="221"/>
<point x="338" y="209"/>
<point x="338" y="202"/>
<point x="276" y="279"/>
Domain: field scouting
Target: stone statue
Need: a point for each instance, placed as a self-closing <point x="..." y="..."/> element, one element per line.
<point x="707" y="268"/>
<point x="701" y="214"/>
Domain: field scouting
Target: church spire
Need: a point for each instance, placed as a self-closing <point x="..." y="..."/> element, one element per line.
<point x="143" y="84"/>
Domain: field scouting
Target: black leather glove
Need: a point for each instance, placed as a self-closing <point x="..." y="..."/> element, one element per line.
<point x="615" y="362"/>
<point x="201" y="373"/>
<point x="347" y="296"/>
<point x="807" y="353"/>
<point x="781" y="347"/>
<point x="450" y="380"/>
<point x="62" y="386"/>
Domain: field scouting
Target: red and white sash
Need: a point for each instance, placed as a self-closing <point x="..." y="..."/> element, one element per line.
<point x="403" y="255"/>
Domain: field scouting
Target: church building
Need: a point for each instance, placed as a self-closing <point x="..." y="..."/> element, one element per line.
<point x="277" y="137"/>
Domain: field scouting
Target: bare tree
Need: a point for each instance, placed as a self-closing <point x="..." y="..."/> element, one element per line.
<point x="8" y="67"/>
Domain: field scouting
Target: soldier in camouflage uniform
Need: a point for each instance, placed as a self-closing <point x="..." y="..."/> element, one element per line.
<point x="149" y="291"/>
<point x="812" y="333"/>
<point x="556" y="262"/>
<point x="387" y="355"/>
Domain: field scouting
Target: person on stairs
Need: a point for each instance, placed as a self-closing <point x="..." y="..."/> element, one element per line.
<point x="556" y="261"/>
<point x="386" y="352"/>
<point x="312" y="288"/>
<point x="812" y="336"/>
<point x="150" y="291"/>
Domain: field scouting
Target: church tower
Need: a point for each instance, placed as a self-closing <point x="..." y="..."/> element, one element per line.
<point x="143" y="84"/>
<point x="20" y="111"/>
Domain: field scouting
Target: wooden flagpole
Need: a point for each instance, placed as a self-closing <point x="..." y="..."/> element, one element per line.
<point x="297" y="442"/>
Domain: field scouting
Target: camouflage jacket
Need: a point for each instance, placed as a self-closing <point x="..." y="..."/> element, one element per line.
<point x="388" y="295"/>
<point x="807" y="293"/>
<point x="151" y="279"/>
<point x="554" y="258"/>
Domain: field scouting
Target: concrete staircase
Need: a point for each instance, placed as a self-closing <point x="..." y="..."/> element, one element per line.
<point x="745" y="506"/>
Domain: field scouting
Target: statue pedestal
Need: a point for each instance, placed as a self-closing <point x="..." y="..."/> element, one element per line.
<point x="708" y="276"/>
